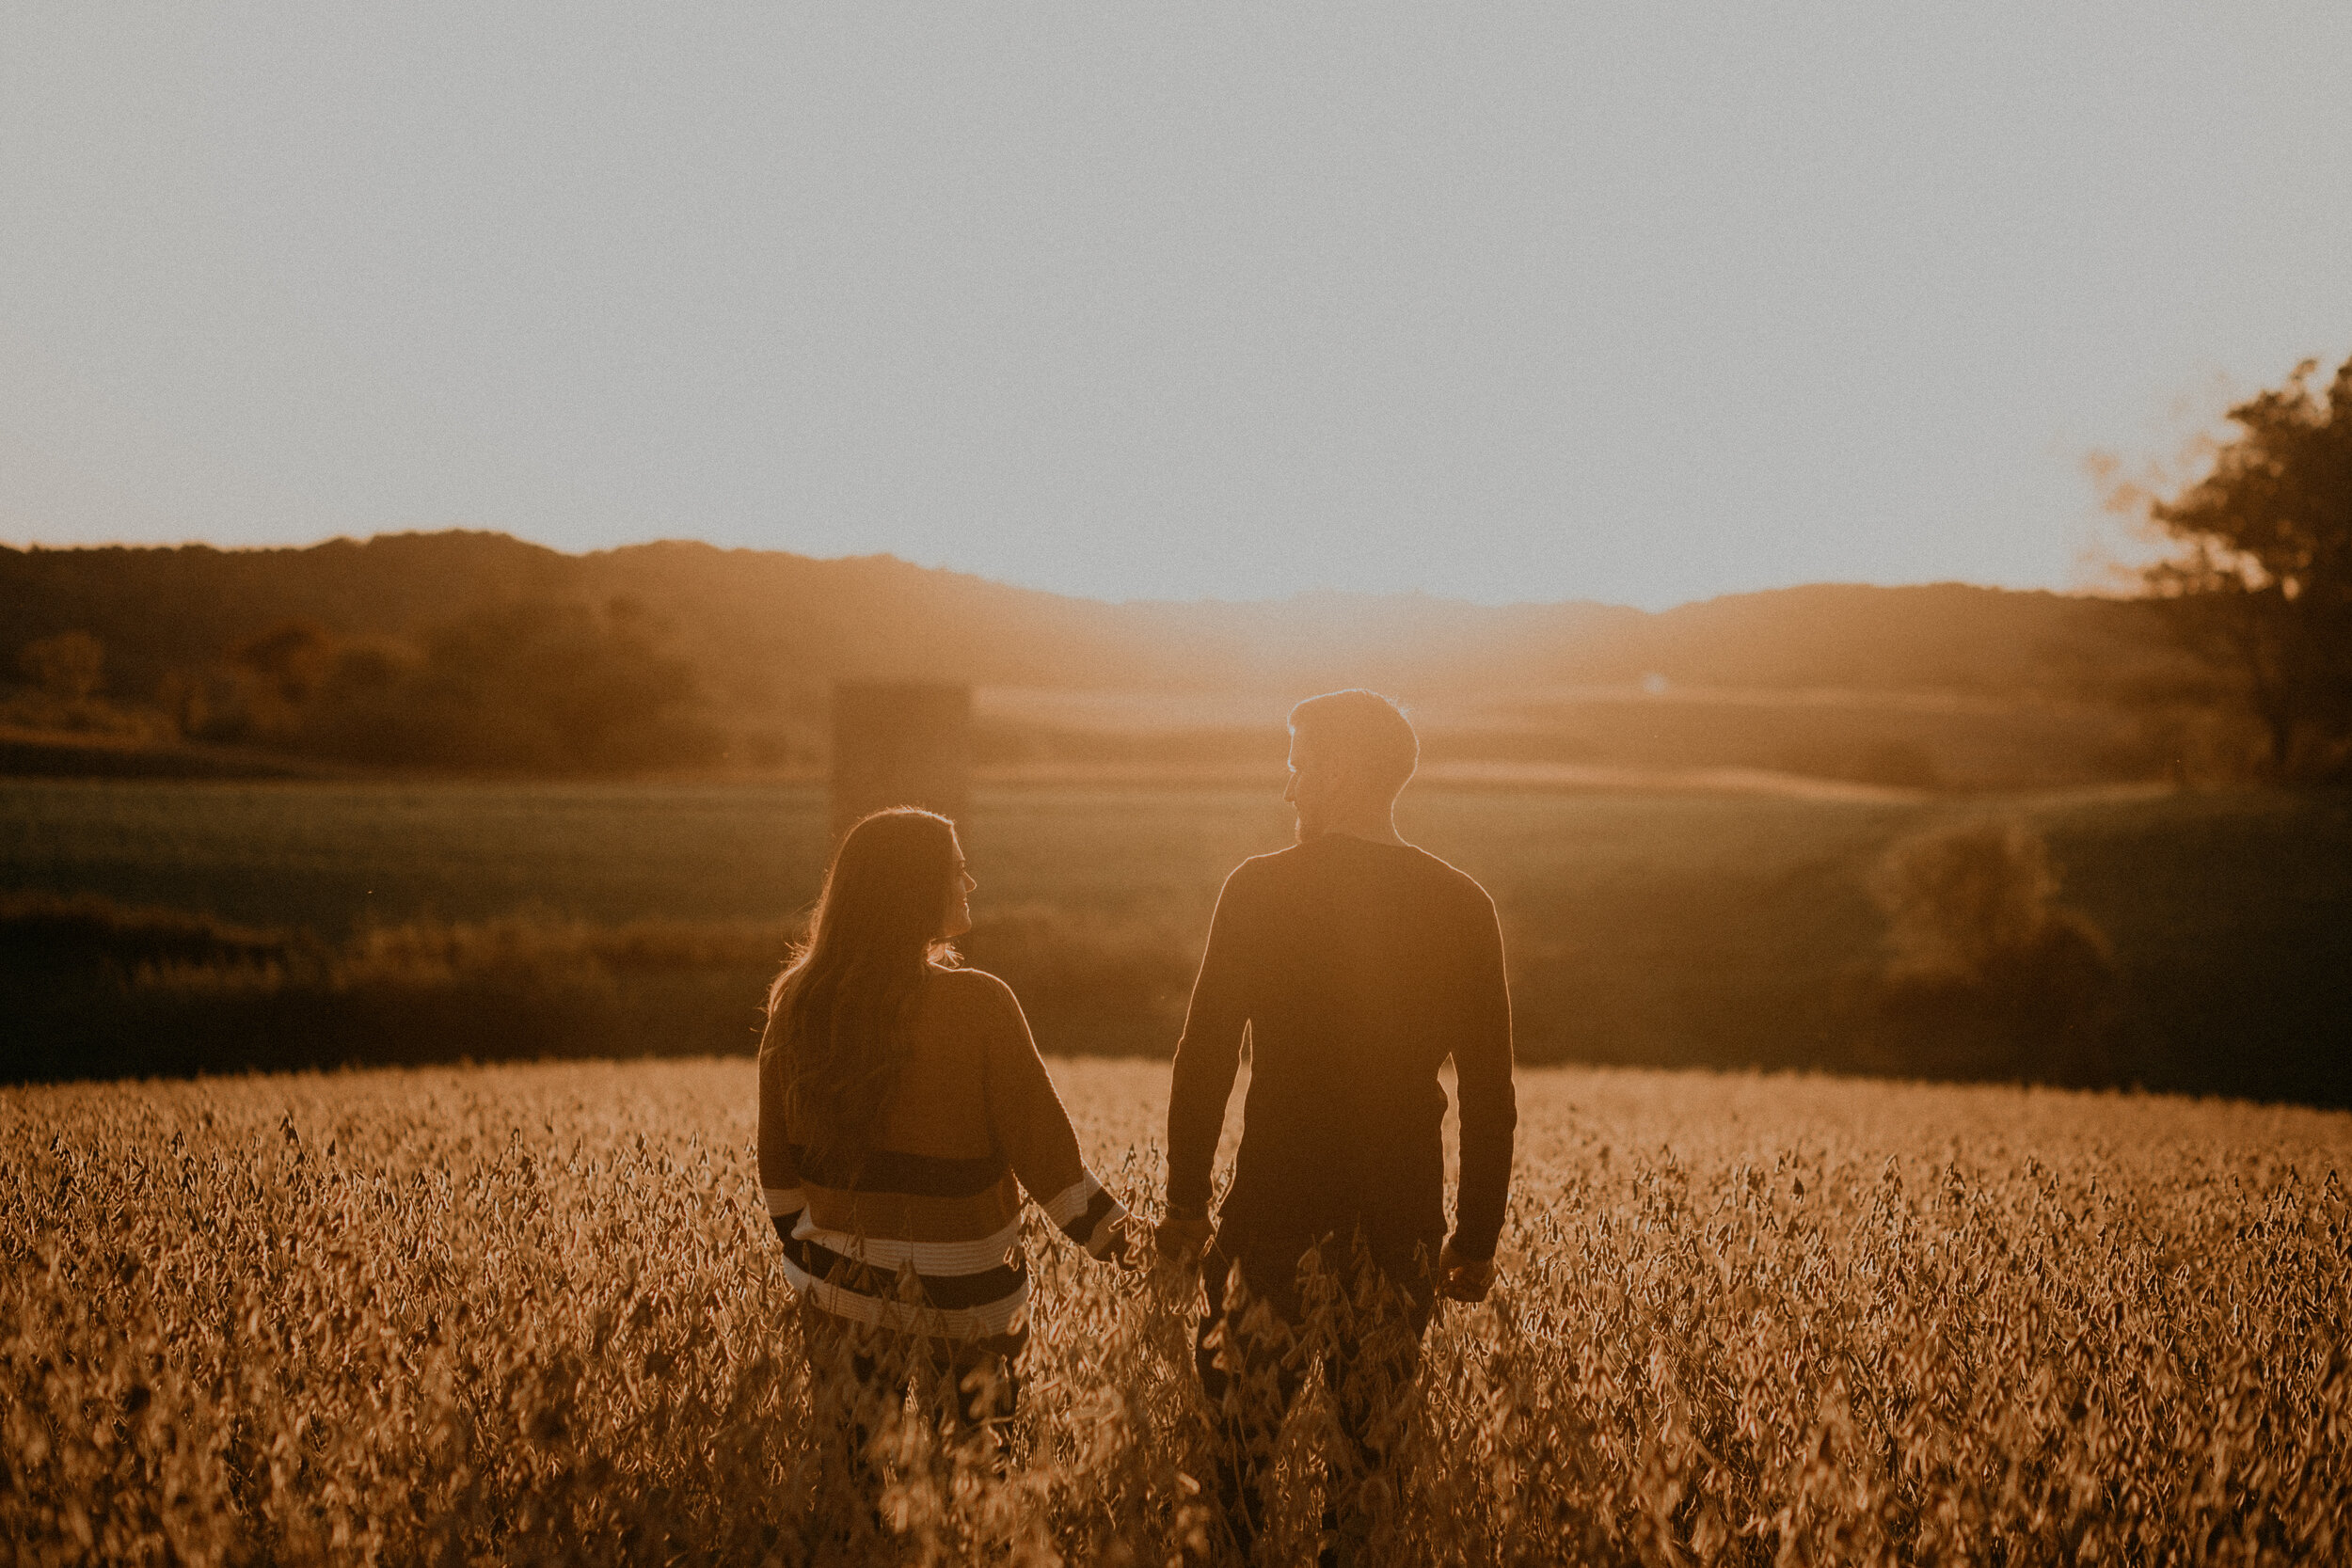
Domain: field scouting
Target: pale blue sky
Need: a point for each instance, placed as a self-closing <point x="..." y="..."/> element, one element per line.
<point x="1641" y="303"/>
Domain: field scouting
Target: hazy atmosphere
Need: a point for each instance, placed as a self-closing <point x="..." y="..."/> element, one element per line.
<point x="1640" y="304"/>
<point x="1209" y="785"/>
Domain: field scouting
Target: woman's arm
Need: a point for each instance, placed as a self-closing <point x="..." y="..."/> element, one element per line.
<point x="1028" y="1122"/>
<point x="779" y="1176"/>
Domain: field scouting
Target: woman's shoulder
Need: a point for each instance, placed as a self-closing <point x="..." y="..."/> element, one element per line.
<point x="971" y="987"/>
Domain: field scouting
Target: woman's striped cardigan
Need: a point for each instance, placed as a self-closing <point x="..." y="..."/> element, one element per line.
<point x="923" y="1235"/>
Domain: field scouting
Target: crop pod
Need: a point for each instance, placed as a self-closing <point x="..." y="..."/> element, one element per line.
<point x="900" y="743"/>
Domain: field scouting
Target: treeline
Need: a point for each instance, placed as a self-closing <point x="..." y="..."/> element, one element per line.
<point x="536" y="685"/>
<point x="539" y="685"/>
<point x="460" y="652"/>
<point x="474" y="650"/>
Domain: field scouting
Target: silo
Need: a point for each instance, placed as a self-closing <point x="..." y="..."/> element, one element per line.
<point x="900" y="743"/>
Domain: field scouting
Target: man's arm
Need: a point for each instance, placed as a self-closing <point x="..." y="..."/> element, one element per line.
<point x="1207" y="1058"/>
<point x="1482" y="1063"/>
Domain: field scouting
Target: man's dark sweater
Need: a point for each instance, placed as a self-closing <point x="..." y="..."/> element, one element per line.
<point x="1357" y="968"/>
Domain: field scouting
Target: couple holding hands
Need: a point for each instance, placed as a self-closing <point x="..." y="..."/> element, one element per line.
<point x="903" y="1110"/>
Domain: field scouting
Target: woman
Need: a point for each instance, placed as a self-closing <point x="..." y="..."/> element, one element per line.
<point x="899" y="1099"/>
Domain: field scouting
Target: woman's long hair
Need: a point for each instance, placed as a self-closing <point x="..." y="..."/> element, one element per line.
<point x="837" y="1013"/>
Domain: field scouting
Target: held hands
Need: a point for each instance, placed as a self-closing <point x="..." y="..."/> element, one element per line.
<point x="1130" y="1243"/>
<point x="1461" y="1279"/>
<point x="1180" y="1240"/>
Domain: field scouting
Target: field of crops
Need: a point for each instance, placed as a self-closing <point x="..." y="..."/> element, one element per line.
<point x="535" y="1313"/>
<point x="1653" y="929"/>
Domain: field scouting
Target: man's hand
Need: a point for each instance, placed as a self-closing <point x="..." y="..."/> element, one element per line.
<point x="1180" y="1239"/>
<point x="1461" y="1279"/>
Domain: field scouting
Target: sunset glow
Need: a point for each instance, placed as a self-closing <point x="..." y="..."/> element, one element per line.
<point x="1523" y="303"/>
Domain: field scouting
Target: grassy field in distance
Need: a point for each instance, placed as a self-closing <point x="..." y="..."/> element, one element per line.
<point x="1649" y="929"/>
<point x="1904" y="741"/>
<point x="535" y="1313"/>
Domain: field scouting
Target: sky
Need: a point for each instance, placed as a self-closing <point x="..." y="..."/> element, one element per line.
<point x="1642" y="302"/>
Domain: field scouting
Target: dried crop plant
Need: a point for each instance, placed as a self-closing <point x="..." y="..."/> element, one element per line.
<point x="534" y="1313"/>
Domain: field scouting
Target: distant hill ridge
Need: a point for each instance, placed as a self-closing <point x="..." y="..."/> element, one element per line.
<point x="768" y="629"/>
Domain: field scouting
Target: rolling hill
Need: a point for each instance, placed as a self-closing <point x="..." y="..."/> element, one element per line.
<point x="761" y="635"/>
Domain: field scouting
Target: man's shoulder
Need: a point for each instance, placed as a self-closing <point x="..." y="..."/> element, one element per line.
<point x="1426" y="876"/>
<point x="1453" y="880"/>
<point x="1259" y="870"/>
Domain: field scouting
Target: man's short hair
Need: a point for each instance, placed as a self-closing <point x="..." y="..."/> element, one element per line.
<point x="1363" y="732"/>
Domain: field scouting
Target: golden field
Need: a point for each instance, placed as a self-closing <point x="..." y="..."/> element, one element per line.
<point x="535" y="1313"/>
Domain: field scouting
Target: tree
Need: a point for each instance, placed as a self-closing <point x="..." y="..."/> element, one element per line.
<point x="289" y="660"/>
<point x="278" y="671"/>
<point x="543" y="686"/>
<point x="1986" y="975"/>
<point x="67" y="666"/>
<point x="2262" y="583"/>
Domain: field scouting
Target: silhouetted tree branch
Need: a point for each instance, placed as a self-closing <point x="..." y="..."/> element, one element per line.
<point x="2263" y="583"/>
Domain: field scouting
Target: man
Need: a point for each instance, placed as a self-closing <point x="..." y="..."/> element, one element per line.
<point x="1356" y="963"/>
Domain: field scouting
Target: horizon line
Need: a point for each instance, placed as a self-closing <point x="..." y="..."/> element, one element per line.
<point x="30" y="546"/>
